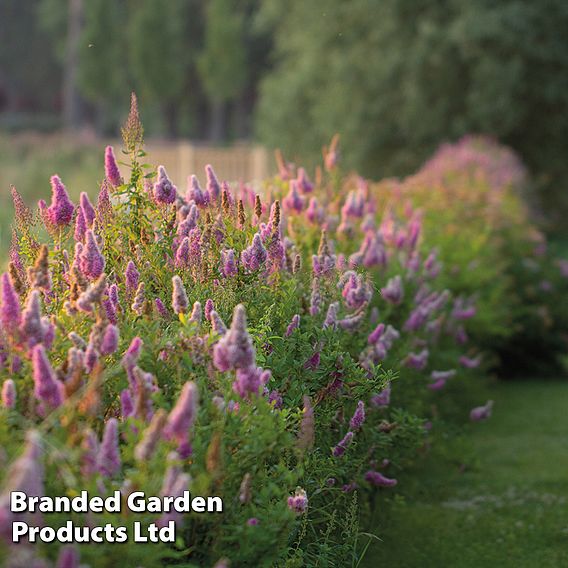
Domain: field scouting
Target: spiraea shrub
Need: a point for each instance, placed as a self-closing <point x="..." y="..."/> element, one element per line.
<point x="286" y="347"/>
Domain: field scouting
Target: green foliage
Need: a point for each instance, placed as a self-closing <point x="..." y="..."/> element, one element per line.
<point x="222" y="64"/>
<point x="396" y="78"/>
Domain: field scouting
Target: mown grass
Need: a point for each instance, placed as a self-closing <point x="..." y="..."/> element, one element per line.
<point x="505" y="504"/>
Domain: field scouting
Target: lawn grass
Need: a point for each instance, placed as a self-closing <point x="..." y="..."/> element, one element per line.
<point x="506" y="505"/>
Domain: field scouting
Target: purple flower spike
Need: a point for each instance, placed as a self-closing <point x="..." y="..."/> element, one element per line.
<point x="209" y="307"/>
<point x="480" y="413"/>
<point x="9" y="394"/>
<point x="213" y="187"/>
<point x="25" y="474"/>
<point x="80" y="226"/>
<point x="379" y="480"/>
<point x="161" y="308"/>
<point x="183" y="415"/>
<point x="359" y="417"/>
<point x="293" y="201"/>
<point x="293" y="325"/>
<point x="376" y="334"/>
<point x="132" y="354"/>
<point x="304" y="184"/>
<point x="228" y="263"/>
<point x="393" y="292"/>
<point x="331" y="316"/>
<point x="68" y="558"/>
<point x="109" y="343"/>
<point x="111" y="167"/>
<point x="196" y="194"/>
<point x="48" y="389"/>
<point x="382" y="399"/>
<point x="342" y="446"/>
<point x="10" y="311"/>
<point x="180" y="303"/>
<point x="250" y="380"/>
<point x="196" y="313"/>
<point x="61" y="210"/>
<point x="417" y="360"/>
<point x="32" y="328"/>
<point x="235" y="350"/>
<point x="88" y="209"/>
<point x="131" y="276"/>
<point x="217" y="324"/>
<point x="109" y="455"/>
<point x="164" y="190"/>
<point x="182" y="254"/>
<point x="469" y="362"/>
<point x="91" y="261"/>
<point x="299" y="501"/>
<point x="126" y="404"/>
<point x="254" y="256"/>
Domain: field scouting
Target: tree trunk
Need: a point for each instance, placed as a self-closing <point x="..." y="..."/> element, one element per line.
<point x="241" y="111"/>
<point x="217" y="121"/>
<point x="72" y="111"/>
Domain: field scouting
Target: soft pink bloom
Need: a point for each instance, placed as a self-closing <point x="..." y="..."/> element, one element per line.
<point x="481" y="413"/>
<point x="111" y="167"/>
<point x="379" y="480"/>
<point x="109" y="462"/>
<point x="48" y="389"/>
<point x="91" y="261"/>
<point x="10" y="311"/>
<point x="164" y="190"/>
<point x="61" y="210"/>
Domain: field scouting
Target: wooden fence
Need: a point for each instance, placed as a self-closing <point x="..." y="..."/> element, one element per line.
<point x="241" y="162"/>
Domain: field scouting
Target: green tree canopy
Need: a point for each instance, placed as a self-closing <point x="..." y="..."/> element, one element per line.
<point x="397" y="77"/>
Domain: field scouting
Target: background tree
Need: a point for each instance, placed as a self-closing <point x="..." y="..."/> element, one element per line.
<point x="103" y="71"/>
<point x="222" y="64"/>
<point x="397" y="77"/>
<point x="29" y="72"/>
<point x="158" y="53"/>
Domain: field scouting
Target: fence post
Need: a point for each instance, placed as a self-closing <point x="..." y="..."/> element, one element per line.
<point x="186" y="159"/>
<point x="258" y="160"/>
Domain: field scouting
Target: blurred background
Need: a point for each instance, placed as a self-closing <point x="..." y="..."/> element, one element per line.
<point x="227" y="81"/>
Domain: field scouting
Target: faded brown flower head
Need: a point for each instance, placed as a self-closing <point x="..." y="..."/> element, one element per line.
<point x="323" y="249"/>
<point x="132" y="131"/>
<point x="257" y="206"/>
<point x="16" y="279"/>
<point x="39" y="275"/>
<point x="23" y="215"/>
<point x="241" y="215"/>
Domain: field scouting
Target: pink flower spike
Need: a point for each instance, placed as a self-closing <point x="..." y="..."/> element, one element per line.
<point x="111" y="167"/>
<point x="10" y="311"/>
<point x="91" y="261"/>
<point x="131" y="276"/>
<point x="88" y="209"/>
<point x="481" y="413"/>
<point x="60" y="212"/>
<point x="359" y="417"/>
<point x="183" y="415"/>
<point x="109" y="454"/>
<point x="9" y="394"/>
<point x="164" y="190"/>
<point x="48" y="389"/>
<point x="379" y="480"/>
<point x="213" y="187"/>
<point x="109" y="343"/>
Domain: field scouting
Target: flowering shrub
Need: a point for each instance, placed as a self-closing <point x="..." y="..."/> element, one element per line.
<point x="280" y="349"/>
